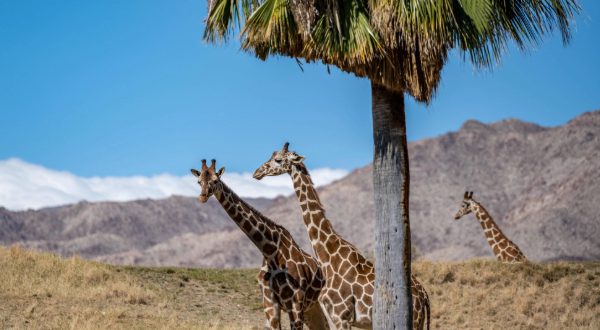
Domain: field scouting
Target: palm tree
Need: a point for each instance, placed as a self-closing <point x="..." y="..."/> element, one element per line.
<point x="401" y="46"/>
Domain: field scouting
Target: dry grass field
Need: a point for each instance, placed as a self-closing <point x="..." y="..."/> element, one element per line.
<point x="43" y="291"/>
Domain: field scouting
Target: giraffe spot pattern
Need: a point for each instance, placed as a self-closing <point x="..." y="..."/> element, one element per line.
<point x="349" y="286"/>
<point x="290" y="279"/>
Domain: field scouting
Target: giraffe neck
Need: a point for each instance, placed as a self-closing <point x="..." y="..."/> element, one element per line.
<point x="319" y="228"/>
<point x="262" y="231"/>
<point x="491" y="230"/>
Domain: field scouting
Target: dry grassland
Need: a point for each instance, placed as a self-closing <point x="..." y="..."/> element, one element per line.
<point x="43" y="291"/>
<point x="485" y="294"/>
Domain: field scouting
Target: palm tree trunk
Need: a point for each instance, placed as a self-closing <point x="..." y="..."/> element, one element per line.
<point x="392" y="304"/>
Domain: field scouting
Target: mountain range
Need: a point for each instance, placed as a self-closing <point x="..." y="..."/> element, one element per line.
<point x="540" y="184"/>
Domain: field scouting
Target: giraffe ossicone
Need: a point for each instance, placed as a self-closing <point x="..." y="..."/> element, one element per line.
<point x="504" y="249"/>
<point x="290" y="279"/>
<point x="348" y="293"/>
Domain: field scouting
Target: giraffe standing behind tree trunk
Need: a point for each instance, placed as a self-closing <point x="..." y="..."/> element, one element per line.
<point x="504" y="249"/>
<point x="290" y="279"/>
<point x="350" y="277"/>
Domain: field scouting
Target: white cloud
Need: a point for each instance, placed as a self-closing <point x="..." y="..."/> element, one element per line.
<point x="24" y="185"/>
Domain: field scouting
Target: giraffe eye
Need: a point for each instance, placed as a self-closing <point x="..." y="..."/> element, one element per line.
<point x="278" y="161"/>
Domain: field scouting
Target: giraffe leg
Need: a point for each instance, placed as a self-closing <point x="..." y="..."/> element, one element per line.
<point x="272" y="312"/>
<point x="298" y="304"/>
<point x="417" y="309"/>
<point x="296" y="315"/>
<point x="427" y="313"/>
<point x="420" y="305"/>
<point x="417" y="316"/>
<point x="270" y="304"/>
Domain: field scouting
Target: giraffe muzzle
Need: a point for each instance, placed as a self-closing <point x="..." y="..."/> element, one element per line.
<point x="203" y="198"/>
<point x="258" y="174"/>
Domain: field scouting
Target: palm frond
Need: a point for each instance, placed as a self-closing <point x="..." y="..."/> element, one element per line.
<point x="347" y="36"/>
<point x="400" y="44"/>
<point x="524" y="22"/>
<point x="271" y="29"/>
<point x="480" y="29"/>
<point x="224" y="16"/>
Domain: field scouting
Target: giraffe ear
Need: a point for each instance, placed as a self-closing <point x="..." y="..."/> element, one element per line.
<point x="466" y="195"/>
<point x="221" y="171"/>
<point x="297" y="158"/>
<point x="195" y="172"/>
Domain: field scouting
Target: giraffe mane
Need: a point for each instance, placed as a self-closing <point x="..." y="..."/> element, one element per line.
<point x="253" y="209"/>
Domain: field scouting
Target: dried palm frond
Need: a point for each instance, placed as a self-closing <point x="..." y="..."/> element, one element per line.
<point x="400" y="44"/>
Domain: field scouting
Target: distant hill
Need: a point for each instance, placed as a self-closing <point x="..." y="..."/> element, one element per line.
<point x="151" y="232"/>
<point x="540" y="184"/>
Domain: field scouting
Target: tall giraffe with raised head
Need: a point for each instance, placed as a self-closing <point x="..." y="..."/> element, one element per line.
<point x="290" y="279"/>
<point x="504" y="249"/>
<point x="350" y="277"/>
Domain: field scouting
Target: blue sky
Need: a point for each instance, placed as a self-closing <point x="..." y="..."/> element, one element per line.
<point x="121" y="88"/>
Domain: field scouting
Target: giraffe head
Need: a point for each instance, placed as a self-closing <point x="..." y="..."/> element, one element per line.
<point x="467" y="205"/>
<point x="280" y="162"/>
<point x="209" y="179"/>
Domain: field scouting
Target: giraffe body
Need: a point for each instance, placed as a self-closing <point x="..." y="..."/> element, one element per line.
<point x="504" y="249"/>
<point x="290" y="279"/>
<point x="350" y="277"/>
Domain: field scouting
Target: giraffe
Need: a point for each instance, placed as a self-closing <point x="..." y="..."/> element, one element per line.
<point x="504" y="249"/>
<point x="350" y="277"/>
<point x="290" y="279"/>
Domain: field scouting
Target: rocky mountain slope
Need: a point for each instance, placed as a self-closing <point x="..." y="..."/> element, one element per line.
<point x="540" y="184"/>
<point x="151" y="232"/>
